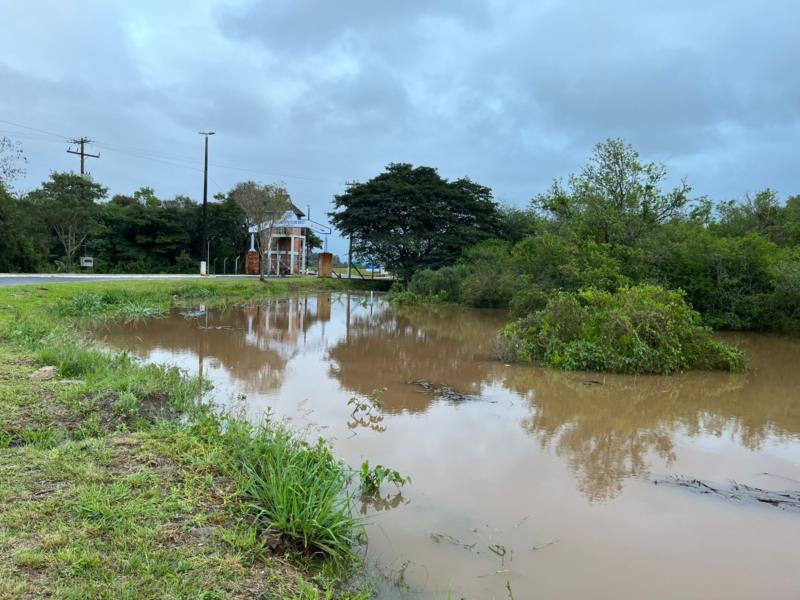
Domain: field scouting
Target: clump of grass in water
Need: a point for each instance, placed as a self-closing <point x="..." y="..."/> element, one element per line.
<point x="295" y="489"/>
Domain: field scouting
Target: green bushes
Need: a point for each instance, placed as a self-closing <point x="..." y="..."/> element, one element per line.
<point x="444" y="284"/>
<point x="642" y="329"/>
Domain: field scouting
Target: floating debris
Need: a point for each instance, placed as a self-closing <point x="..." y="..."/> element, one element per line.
<point x="498" y="572"/>
<point x="738" y="492"/>
<point x="446" y="392"/>
<point x="521" y="521"/>
<point x="443" y="537"/>
<point x="592" y="382"/>
<point x="545" y="545"/>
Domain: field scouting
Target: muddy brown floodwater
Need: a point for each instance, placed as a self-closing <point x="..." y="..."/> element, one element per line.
<point x="526" y="479"/>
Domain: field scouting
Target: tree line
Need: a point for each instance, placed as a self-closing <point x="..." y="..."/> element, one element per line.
<point x="68" y="216"/>
<point x="614" y="224"/>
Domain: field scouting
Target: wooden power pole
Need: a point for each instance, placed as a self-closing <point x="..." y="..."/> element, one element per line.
<point x="82" y="153"/>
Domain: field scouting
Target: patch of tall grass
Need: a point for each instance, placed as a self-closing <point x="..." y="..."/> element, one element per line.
<point x="114" y="302"/>
<point x="293" y="489"/>
<point x="106" y="373"/>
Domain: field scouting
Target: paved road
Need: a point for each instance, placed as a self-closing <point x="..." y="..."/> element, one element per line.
<point x="24" y="279"/>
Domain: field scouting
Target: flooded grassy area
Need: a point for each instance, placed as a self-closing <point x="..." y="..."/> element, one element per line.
<point x="525" y="482"/>
<point x="117" y="480"/>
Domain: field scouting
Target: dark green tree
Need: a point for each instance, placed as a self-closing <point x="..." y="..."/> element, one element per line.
<point x="23" y="235"/>
<point x="68" y="204"/>
<point x="227" y="230"/>
<point x="410" y="218"/>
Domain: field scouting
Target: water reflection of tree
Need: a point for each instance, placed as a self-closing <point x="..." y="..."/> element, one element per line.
<point x="606" y="431"/>
<point x="253" y="343"/>
<point x="391" y="348"/>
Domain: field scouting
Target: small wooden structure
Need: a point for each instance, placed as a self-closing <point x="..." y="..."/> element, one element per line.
<point x="325" y="268"/>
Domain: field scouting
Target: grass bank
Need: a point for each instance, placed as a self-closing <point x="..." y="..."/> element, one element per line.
<point x="116" y="482"/>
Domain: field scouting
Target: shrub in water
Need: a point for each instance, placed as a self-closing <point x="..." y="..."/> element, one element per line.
<point x="642" y="329"/>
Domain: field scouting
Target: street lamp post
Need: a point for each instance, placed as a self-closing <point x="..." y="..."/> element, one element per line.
<point x="204" y="251"/>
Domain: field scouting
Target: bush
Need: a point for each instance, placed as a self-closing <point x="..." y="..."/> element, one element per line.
<point x="444" y="283"/>
<point x="642" y="329"/>
<point x="491" y="282"/>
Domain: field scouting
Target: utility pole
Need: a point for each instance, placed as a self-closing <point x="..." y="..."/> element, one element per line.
<point x="82" y="153"/>
<point x="350" y="257"/>
<point x="204" y="251"/>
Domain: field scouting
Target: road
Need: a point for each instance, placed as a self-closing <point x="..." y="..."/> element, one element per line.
<point x="27" y="279"/>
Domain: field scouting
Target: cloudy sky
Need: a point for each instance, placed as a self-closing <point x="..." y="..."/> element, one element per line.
<point x="316" y="93"/>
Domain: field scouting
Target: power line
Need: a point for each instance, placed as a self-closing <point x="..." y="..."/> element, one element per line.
<point x="151" y="158"/>
<point x="29" y="136"/>
<point x="161" y="157"/>
<point x="58" y="135"/>
<point x="194" y="161"/>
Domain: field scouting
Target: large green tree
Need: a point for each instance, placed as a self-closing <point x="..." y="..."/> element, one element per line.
<point x="410" y="218"/>
<point x="68" y="204"/>
<point x="615" y="198"/>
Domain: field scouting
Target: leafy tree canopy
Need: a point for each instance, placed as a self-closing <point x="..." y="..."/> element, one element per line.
<point x="616" y="198"/>
<point x="67" y="203"/>
<point x="409" y="218"/>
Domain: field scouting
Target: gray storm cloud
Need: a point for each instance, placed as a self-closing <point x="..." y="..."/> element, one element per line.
<point x="315" y="94"/>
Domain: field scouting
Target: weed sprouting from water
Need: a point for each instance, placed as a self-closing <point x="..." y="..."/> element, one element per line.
<point x="373" y="478"/>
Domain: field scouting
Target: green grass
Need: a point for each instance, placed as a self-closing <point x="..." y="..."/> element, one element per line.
<point x="293" y="489"/>
<point x="122" y="484"/>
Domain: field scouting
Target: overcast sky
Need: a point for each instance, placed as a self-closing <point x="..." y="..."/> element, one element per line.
<point x="511" y="93"/>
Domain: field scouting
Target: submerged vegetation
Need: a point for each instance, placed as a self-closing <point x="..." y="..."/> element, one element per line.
<point x="118" y="481"/>
<point x="643" y="329"/>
